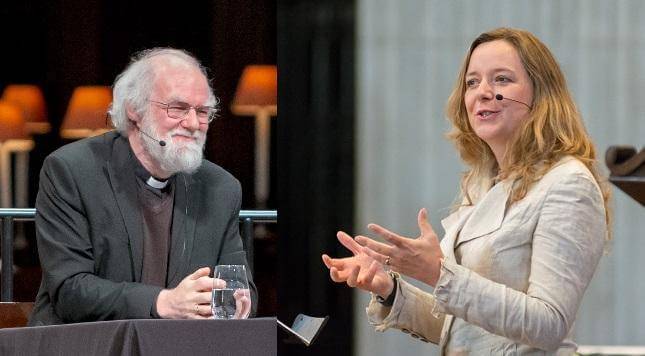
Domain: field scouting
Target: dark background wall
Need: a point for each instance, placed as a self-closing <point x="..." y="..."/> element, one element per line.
<point x="316" y="164"/>
<point x="62" y="44"/>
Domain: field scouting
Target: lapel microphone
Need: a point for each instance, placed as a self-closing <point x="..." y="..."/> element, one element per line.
<point x="501" y="97"/>
<point x="162" y="143"/>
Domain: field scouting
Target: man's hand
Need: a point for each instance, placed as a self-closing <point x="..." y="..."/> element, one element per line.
<point x="191" y="299"/>
<point x="242" y="303"/>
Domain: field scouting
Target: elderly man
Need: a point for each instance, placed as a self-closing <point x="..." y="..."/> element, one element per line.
<point x="131" y="222"/>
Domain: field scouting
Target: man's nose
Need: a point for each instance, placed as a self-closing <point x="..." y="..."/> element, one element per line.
<point x="191" y="122"/>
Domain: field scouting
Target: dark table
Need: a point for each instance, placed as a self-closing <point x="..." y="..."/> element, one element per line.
<point x="145" y="337"/>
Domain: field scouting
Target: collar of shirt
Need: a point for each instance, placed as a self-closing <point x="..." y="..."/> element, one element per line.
<point x="155" y="183"/>
<point x="143" y="174"/>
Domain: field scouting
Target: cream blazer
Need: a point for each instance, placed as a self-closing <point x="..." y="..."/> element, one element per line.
<point x="512" y="278"/>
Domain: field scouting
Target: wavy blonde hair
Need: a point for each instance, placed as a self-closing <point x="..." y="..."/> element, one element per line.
<point x="553" y="129"/>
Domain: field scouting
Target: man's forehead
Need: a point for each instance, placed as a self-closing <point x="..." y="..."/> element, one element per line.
<point x="172" y="76"/>
<point x="164" y="69"/>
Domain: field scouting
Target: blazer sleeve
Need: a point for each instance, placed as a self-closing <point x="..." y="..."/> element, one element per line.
<point x="232" y="250"/>
<point x="65" y="249"/>
<point x="411" y="313"/>
<point x="567" y="244"/>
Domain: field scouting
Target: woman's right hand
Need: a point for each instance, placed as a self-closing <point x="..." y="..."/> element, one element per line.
<point x="360" y="270"/>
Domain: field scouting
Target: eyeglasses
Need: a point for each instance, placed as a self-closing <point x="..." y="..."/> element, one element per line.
<point x="178" y="111"/>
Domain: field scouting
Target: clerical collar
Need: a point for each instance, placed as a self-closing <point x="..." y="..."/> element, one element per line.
<point x="155" y="183"/>
<point x="142" y="173"/>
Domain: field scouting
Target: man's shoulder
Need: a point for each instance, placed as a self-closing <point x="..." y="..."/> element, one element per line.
<point x="87" y="151"/>
<point x="211" y="173"/>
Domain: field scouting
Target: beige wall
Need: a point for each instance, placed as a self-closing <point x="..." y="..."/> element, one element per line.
<point x="408" y="54"/>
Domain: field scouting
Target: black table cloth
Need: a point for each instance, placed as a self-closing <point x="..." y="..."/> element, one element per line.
<point x="145" y="337"/>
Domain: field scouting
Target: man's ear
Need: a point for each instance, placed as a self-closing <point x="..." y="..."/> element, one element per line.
<point x="133" y="115"/>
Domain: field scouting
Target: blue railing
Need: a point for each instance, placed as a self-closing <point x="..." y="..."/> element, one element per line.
<point x="8" y="216"/>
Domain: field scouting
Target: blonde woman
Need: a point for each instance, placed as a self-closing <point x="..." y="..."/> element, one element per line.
<point x="521" y="249"/>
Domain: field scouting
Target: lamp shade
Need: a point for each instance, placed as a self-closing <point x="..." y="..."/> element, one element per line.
<point x="86" y="112"/>
<point x="30" y="99"/>
<point x="257" y="90"/>
<point x="12" y="122"/>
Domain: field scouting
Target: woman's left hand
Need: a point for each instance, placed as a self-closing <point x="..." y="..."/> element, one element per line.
<point x="418" y="258"/>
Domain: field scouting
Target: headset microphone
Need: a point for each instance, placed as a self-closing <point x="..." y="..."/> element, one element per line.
<point x="162" y="143"/>
<point x="501" y="97"/>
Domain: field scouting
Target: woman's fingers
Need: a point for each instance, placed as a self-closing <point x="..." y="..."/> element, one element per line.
<point x="340" y="276"/>
<point x="378" y="257"/>
<point x="327" y="261"/>
<point x="335" y="275"/>
<point x="388" y="235"/>
<point x="339" y="263"/>
<point x="340" y="269"/>
<point x="359" y="270"/>
<point x="348" y="242"/>
<point x="366" y="276"/>
<point x="353" y="276"/>
<point x="424" y="225"/>
<point x="376" y="246"/>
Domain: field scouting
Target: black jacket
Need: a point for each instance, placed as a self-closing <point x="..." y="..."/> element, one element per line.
<point x="90" y="232"/>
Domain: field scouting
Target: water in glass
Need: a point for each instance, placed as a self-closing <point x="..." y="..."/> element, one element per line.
<point x="225" y="301"/>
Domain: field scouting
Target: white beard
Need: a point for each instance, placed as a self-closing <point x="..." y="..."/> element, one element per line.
<point x="173" y="158"/>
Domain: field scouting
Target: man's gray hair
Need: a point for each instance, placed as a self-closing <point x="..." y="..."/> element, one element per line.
<point x="134" y="85"/>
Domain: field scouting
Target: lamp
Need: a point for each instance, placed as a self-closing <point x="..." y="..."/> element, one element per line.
<point x="86" y="112"/>
<point x="256" y="95"/>
<point x="30" y="99"/>
<point x="13" y="139"/>
<point x="12" y="122"/>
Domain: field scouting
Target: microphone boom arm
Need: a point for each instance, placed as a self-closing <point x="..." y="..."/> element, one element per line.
<point x="501" y="97"/>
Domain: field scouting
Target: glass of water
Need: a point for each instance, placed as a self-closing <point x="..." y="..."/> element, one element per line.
<point x="233" y="300"/>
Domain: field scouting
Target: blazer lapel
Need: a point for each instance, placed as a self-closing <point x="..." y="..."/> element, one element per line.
<point x="488" y="213"/>
<point x="452" y="224"/>
<point x="122" y="179"/>
<point x="470" y="222"/>
<point x="183" y="226"/>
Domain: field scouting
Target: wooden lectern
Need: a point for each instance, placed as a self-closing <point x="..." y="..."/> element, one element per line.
<point x="627" y="170"/>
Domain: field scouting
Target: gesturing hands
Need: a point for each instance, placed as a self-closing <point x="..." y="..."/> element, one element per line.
<point x="418" y="258"/>
<point x="360" y="270"/>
